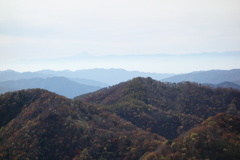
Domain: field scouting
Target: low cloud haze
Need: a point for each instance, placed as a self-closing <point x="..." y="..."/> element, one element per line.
<point x="147" y="63"/>
<point x="38" y="34"/>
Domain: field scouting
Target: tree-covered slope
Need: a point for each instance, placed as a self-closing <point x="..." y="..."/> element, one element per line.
<point x="217" y="138"/>
<point x="167" y="109"/>
<point x="37" y="124"/>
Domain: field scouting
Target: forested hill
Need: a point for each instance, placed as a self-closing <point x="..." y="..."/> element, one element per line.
<point x="217" y="138"/>
<point x="167" y="109"/>
<point x="126" y="121"/>
<point x="37" y="124"/>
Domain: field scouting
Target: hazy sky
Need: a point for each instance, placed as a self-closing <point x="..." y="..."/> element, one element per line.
<point x="49" y="29"/>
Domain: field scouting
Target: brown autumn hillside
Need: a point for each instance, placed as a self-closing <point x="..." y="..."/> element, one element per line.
<point x="167" y="109"/>
<point x="38" y="124"/>
<point x="217" y="138"/>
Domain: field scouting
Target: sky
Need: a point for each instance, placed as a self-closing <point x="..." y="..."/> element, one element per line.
<point x="39" y="34"/>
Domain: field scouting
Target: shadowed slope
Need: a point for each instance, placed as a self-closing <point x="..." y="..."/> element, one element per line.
<point x="217" y="138"/>
<point x="48" y="126"/>
<point x="167" y="109"/>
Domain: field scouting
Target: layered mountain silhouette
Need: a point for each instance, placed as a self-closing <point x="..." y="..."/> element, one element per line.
<point x="95" y="77"/>
<point x="110" y="76"/>
<point x="107" y="77"/>
<point x="212" y="76"/>
<point x="225" y="85"/>
<point x="138" y="119"/>
<point x="68" y="83"/>
<point x="59" y="85"/>
<point x="13" y="75"/>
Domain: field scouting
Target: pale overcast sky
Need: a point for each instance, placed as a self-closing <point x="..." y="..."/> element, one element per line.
<point x="43" y="29"/>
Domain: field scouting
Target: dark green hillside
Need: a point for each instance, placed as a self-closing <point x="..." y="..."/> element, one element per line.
<point x="167" y="109"/>
<point x="217" y="138"/>
<point x="37" y="124"/>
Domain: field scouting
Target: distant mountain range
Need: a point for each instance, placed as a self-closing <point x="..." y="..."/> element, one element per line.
<point x="59" y="85"/>
<point x="74" y="83"/>
<point x="224" y="85"/>
<point x="13" y="75"/>
<point x="68" y="83"/>
<point x="106" y="76"/>
<point x="212" y="76"/>
<point x="97" y="77"/>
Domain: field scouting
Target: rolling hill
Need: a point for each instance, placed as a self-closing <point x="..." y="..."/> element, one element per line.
<point x="37" y="124"/>
<point x="217" y="138"/>
<point x="164" y="108"/>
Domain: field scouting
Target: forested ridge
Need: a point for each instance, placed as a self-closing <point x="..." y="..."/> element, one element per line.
<point x="216" y="138"/>
<point x="54" y="127"/>
<point x="138" y="119"/>
<point x="168" y="109"/>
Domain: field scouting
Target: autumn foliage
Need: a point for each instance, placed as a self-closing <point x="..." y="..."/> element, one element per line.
<point x="139" y="119"/>
<point x="54" y="127"/>
<point x="167" y="109"/>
